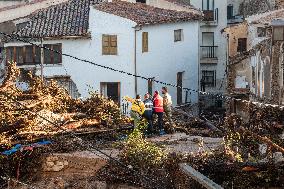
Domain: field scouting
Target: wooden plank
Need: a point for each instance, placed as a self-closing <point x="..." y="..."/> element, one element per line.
<point x="200" y="178"/>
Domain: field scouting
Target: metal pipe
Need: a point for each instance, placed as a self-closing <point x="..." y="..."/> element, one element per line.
<point x="135" y="59"/>
<point x="41" y="58"/>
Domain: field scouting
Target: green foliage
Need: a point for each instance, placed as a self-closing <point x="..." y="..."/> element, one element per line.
<point x="141" y="154"/>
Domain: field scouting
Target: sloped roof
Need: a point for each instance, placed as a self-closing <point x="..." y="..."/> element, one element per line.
<point x="66" y="19"/>
<point x="184" y="3"/>
<point x="266" y="18"/>
<point x="144" y="14"/>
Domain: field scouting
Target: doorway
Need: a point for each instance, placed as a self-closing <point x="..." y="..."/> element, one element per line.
<point x="111" y="90"/>
<point x="179" y="88"/>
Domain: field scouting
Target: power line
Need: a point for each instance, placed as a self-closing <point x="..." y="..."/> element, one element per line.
<point x="130" y="74"/>
<point x="14" y="36"/>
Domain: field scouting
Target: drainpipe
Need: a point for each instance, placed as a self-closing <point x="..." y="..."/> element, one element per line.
<point x="136" y="29"/>
<point x="41" y="58"/>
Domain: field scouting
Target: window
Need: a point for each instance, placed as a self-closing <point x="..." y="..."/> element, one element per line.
<point x="261" y="32"/>
<point x="178" y="35"/>
<point x="10" y="54"/>
<point x="242" y="45"/>
<point x="48" y="54"/>
<point x="207" y="4"/>
<point x="144" y="42"/>
<point x="109" y="44"/>
<point x="278" y="34"/>
<point x="20" y="55"/>
<point x="230" y="12"/>
<point x="209" y="78"/>
<point x="32" y="54"/>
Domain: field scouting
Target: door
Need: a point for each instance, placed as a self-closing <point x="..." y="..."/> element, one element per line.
<point x="208" y="48"/>
<point x="111" y="90"/>
<point x="179" y="88"/>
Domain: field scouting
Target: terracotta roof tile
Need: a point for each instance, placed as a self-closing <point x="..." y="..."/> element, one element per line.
<point x="144" y="15"/>
<point x="66" y="19"/>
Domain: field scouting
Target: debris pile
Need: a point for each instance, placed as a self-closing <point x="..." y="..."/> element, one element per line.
<point x="45" y="109"/>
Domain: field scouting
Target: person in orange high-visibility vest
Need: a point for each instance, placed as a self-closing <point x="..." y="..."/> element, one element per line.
<point x="159" y="110"/>
<point x="137" y="109"/>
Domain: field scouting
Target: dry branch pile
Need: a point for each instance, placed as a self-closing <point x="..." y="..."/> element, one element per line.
<point x="46" y="109"/>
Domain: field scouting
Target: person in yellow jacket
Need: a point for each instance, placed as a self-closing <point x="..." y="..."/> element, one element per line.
<point x="137" y="108"/>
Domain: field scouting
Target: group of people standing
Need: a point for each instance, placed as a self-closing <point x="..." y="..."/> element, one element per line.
<point x="149" y="107"/>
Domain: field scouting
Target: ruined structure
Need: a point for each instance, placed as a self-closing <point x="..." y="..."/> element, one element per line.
<point x="256" y="60"/>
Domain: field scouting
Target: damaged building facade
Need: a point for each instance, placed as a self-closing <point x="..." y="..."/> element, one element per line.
<point x="256" y="60"/>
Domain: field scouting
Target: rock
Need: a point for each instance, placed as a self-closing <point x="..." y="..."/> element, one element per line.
<point x="100" y="185"/>
<point x="52" y="158"/>
<point x="278" y="157"/>
<point x="57" y="168"/>
<point x="65" y="163"/>
<point x="59" y="163"/>
<point x="49" y="163"/>
<point x="281" y="136"/>
<point x="262" y="149"/>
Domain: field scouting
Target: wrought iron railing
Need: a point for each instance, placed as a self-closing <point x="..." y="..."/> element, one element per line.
<point x="209" y="51"/>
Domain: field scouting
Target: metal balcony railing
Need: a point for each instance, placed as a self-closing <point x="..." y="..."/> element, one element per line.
<point x="208" y="15"/>
<point x="209" y="51"/>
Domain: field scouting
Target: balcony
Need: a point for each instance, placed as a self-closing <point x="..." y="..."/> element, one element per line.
<point x="209" y="54"/>
<point x="210" y="17"/>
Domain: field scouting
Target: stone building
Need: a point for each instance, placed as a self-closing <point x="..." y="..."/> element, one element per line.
<point x="256" y="59"/>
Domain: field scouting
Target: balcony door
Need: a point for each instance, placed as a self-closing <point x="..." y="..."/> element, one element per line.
<point x="208" y="49"/>
<point x="208" y="5"/>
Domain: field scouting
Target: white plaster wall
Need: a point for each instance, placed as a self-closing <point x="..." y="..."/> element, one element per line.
<point x="220" y="41"/>
<point x="166" y="58"/>
<point x="86" y="75"/>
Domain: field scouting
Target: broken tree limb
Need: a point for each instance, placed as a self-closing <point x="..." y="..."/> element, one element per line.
<point x="200" y="178"/>
<point x="263" y="139"/>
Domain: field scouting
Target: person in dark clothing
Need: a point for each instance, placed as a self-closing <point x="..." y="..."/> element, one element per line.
<point x="202" y="84"/>
<point x="148" y="113"/>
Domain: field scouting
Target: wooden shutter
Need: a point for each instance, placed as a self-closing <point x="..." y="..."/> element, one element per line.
<point x="105" y="44"/>
<point x="145" y="42"/>
<point x="242" y="44"/>
<point x="113" y="45"/>
<point x="109" y="44"/>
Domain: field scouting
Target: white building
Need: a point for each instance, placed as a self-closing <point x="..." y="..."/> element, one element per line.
<point x="135" y="38"/>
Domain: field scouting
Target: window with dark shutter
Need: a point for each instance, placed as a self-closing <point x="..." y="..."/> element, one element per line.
<point x="48" y="54"/>
<point x="9" y="54"/>
<point x="242" y="45"/>
<point x="32" y="54"/>
<point x="209" y="78"/>
<point x="261" y="32"/>
<point x="178" y="35"/>
<point x="109" y="45"/>
<point x="145" y="42"/>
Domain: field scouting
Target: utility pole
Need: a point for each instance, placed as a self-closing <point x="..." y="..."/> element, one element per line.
<point x="41" y="58"/>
